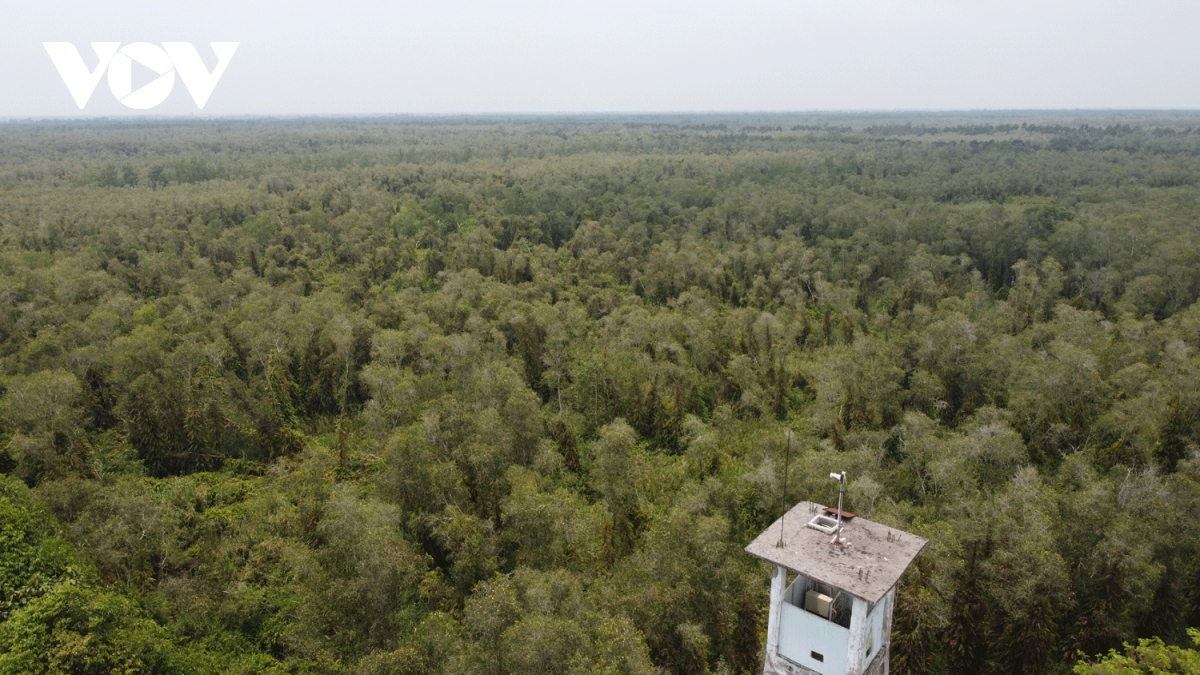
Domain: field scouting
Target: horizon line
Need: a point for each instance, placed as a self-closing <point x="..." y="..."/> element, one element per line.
<point x="595" y="113"/>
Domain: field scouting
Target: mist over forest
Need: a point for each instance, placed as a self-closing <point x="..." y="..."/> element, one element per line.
<point x="509" y="395"/>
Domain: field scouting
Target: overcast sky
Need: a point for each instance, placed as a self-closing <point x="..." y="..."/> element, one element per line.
<point x="465" y="56"/>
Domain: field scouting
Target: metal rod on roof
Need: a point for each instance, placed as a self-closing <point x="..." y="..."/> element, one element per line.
<point x="787" y="459"/>
<point x="841" y="479"/>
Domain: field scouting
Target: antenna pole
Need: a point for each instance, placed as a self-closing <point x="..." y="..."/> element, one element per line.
<point x="841" y="493"/>
<point x="841" y="479"/>
<point x="787" y="459"/>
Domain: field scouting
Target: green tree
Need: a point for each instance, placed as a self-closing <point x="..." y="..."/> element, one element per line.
<point x="1149" y="655"/>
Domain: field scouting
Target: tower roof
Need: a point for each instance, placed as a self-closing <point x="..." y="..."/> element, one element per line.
<point x="866" y="566"/>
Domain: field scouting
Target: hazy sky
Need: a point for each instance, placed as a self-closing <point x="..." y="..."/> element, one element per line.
<point x="438" y="56"/>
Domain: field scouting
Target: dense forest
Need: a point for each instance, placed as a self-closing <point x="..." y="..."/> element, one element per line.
<point x="510" y="395"/>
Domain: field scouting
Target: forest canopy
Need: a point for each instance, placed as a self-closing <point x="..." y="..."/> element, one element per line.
<point x="510" y="395"/>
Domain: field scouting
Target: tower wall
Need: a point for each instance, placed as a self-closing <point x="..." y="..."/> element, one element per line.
<point x="774" y="664"/>
<point x="862" y="623"/>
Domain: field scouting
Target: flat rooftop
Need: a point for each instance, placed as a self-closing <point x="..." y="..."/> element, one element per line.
<point x="866" y="566"/>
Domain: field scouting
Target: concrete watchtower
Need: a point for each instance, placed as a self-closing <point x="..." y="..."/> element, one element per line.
<point x="835" y="617"/>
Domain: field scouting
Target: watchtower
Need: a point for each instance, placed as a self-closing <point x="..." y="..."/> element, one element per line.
<point x="835" y="615"/>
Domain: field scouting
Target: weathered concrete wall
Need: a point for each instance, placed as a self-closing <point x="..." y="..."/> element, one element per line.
<point x="879" y="664"/>
<point x="774" y="664"/>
